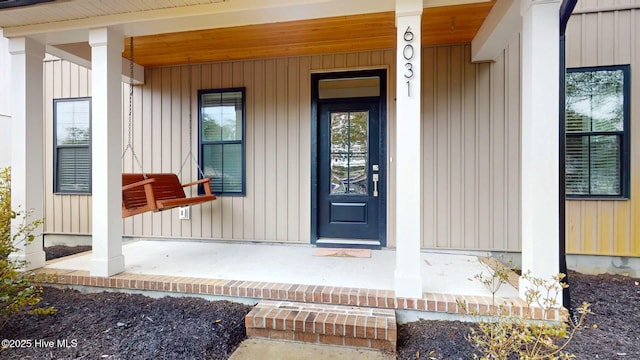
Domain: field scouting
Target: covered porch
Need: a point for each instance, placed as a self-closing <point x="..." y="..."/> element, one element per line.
<point x="166" y="34"/>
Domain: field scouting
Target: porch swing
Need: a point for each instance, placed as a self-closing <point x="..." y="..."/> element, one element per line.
<point x="142" y="192"/>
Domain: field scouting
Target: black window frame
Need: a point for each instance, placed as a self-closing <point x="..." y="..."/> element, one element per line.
<point x="21" y="3"/>
<point x="242" y="142"/>
<point x="56" y="147"/>
<point x="624" y="135"/>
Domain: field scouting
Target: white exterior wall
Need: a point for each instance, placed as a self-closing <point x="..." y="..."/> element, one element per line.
<point x="5" y="118"/>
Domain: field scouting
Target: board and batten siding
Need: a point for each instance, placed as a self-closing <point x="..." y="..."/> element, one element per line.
<point x="471" y="149"/>
<point x="64" y="213"/>
<point x="607" y="33"/>
<point x="277" y="205"/>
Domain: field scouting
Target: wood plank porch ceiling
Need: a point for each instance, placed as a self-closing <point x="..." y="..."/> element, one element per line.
<point x="440" y="26"/>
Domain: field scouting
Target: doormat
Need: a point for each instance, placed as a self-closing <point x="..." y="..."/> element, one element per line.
<point x="334" y="252"/>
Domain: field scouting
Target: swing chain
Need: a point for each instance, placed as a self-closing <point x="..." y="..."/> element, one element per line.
<point x="190" y="155"/>
<point x="130" y="134"/>
<point x="130" y="90"/>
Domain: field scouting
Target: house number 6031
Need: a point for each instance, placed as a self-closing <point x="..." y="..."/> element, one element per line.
<point x="407" y="54"/>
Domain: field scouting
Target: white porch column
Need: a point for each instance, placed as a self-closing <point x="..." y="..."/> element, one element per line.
<point x="5" y="101"/>
<point x="539" y="133"/>
<point x="106" y="49"/>
<point x="408" y="281"/>
<point x="27" y="137"/>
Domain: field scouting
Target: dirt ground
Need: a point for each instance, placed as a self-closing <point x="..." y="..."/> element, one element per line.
<point x="124" y="326"/>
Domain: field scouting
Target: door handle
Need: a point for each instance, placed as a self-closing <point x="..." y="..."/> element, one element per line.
<point x="375" y="185"/>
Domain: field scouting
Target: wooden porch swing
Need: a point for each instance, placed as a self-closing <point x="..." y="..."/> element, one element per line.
<point x="156" y="192"/>
<point x="142" y="192"/>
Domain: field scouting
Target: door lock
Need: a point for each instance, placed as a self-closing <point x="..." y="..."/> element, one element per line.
<point x="375" y="184"/>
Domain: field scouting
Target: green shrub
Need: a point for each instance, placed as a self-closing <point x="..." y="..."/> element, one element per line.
<point x="501" y="336"/>
<point x="19" y="290"/>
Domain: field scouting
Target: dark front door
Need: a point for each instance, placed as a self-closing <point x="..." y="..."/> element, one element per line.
<point x="350" y="172"/>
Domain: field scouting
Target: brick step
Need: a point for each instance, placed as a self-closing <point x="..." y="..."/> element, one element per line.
<point x="324" y="324"/>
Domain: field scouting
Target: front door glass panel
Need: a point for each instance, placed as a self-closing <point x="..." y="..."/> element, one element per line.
<point x="349" y="139"/>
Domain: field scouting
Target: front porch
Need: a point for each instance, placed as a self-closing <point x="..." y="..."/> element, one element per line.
<point x="459" y="173"/>
<point x="251" y="272"/>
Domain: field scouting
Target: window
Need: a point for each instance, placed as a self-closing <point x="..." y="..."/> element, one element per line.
<point x="597" y="132"/>
<point x="221" y="120"/>
<point x="72" y="145"/>
<point x="4" y="4"/>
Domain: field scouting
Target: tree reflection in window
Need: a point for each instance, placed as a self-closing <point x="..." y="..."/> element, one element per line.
<point x="349" y="134"/>
<point x="222" y="139"/>
<point x="595" y="121"/>
<point x="72" y="145"/>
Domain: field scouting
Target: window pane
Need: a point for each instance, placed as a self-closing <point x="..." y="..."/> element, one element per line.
<point x="595" y="107"/>
<point x="223" y="163"/>
<point x="577" y="165"/>
<point x="605" y="165"/>
<point x="340" y="132"/>
<point x="358" y="132"/>
<point x="72" y="122"/>
<point x="339" y="173"/>
<point x="74" y="169"/>
<point x="594" y="101"/>
<point x="349" y="138"/>
<point x="349" y="174"/>
<point x="593" y="165"/>
<point x="221" y="139"/>
<point x="349" y="87"/>
<point x="358" y="174"/>
<point x="72" y="138"/>
<point x="221" y="116"/>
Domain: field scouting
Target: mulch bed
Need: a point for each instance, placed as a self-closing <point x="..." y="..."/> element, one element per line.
<point x="125" y="326"/>
<point x="611" y="332"/>
<point x="58" y="251"/>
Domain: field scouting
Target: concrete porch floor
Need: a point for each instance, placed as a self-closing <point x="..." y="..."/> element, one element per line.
<point x="292" y="273"/>
<point x="292" y="264"/>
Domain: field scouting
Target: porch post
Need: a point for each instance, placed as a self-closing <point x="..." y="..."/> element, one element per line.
<point x="5" y="101"/>
<point x="27" y="138"/>
<point x="540" y="142"/>
<point x="106" y="53"/>
<point x="408" y="281"/>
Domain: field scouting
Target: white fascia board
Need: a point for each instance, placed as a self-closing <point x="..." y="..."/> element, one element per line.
<point x="502" y="23"/>
<point x="206" y="16"/>
<point x="84" y="60"/>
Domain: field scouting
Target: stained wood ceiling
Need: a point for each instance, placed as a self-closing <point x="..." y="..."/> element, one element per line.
<point x="440" y="25"/>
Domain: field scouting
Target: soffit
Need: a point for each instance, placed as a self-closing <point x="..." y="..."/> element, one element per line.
<point x="440" y="25"/>
<point x="168" y="32"/>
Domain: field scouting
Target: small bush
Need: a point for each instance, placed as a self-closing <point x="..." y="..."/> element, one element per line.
<point x="510" y="337"/>
<point x="19" y="290"/>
